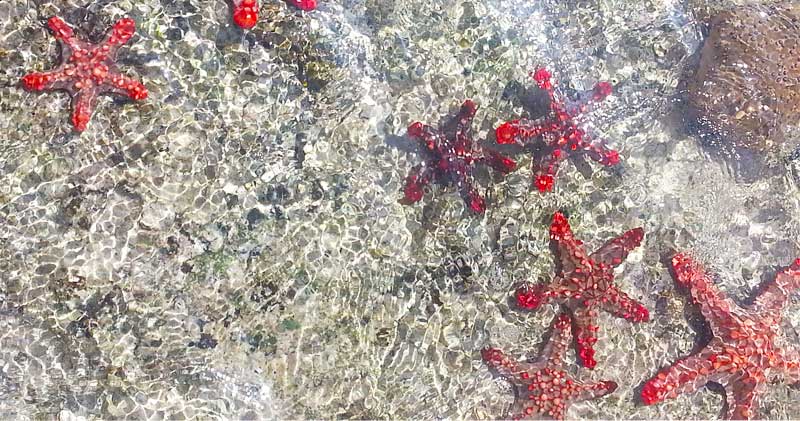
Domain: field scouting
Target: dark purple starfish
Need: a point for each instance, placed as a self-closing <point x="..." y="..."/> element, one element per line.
<point x="451" y="156"/>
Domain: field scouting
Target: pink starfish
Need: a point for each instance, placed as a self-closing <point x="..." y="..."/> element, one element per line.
<point x="743" y="354"/>
<point x="542" y="389"/>
<point x="87" y="70"/>
<point x="451" y="158"/>
<point x="560" y="134"/>
<point x="245" y="12"/>
<point x="585" y="284"/>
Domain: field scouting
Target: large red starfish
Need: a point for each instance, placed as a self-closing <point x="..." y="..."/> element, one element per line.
<point x="245" y="12"/>
<point x="451" y="158"/>
<point x="87" y="70"/>
<point x="743" y="354"/>
<point x="560" y="133"/>
<point x="542" y="389"/>
<point x="585" y="284"/>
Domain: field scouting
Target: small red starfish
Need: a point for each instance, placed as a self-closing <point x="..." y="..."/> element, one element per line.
<point x="245" y="12"/>
<point x="743" y="354"/>
<point x="542" y="389"/>
<point x="451" y="158"/>
<point x="585" y="283"/>
<point x="87" y="70"/>
<point x="560" y="133"/>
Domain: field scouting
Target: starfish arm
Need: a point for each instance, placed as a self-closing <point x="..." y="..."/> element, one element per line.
<point x="305" y="5"/>
<point x="684" y="376"/>
<point x="83" y="104"/>
<point x="464" y="118"/>
<point x="499" y="162"/>
<point x="48" y="81"/>
<point x="245" y="13"/>
<point x="621" y="305"/>
<point x="791" y="367"/>
<point x="520" y="131"/>
<point x="774" y="296"/>
<point x="120" y="33"/>
<point x="742" y="396"/>
<point x="589" y="391"/>
<point x="472" y="198"/>
<point x="616" y="250"/>
<point x="718" y="310"/>
<point x="66" y="36"/>
<point x="602" y="154"/>
<point x="560" y="337"/>
<point x="545" y="168"/>
<point x="123" y="85"/>
<point x="416" y="181"/>
<point x="585" y="335"/>
<point x="567" y="249"/>
<point x="429" y="137"/>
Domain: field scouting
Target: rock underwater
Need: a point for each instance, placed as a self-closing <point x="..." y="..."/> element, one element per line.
<point x="745" y="89"/>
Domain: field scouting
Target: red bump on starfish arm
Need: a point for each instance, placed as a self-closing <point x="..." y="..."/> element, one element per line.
<point x="245" y="13"/>
<point x="306" y="5"/>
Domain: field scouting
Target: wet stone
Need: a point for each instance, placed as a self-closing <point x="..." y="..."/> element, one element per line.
<point x="743" y="91"/>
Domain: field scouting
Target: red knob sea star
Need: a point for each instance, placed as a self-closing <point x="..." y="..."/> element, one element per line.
<point x="245" y="12"/>
<point x="560" y="133"/>
<point x="585" y="283"/>
<point x="542" y="389"/>
<point x="87" y="70"/>
<point x="451" y="158"/>
<point x="743" y="354"/>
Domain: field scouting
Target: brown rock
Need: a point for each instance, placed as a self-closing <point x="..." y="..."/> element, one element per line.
<point x="746" y="87"/>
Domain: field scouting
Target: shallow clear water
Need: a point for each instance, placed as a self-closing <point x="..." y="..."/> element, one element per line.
<point x="234" y="246"/>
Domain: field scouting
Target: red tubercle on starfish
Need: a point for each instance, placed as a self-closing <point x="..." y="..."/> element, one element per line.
<point x="584" y="284"/>
<point x="245" y="12"/>
<point x="87" y="70"/>
<point x="451" y="156"/>
<point x="559" y="133"/>
<point x="743" y="354"/>
<point x="542" y="387"/>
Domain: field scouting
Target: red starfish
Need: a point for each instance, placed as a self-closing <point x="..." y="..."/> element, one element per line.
<point x="743" y="354"/>
<point x="542" y="388"/>
<point x="245" y="12"/>
<point x="560" y="133"/>
<point x="87" y="70"/>
<point x="585" y="283"/>
<point x="451" y="158"/>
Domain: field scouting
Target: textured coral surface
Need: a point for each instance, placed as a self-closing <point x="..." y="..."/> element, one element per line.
<point x="233" y="245"/>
